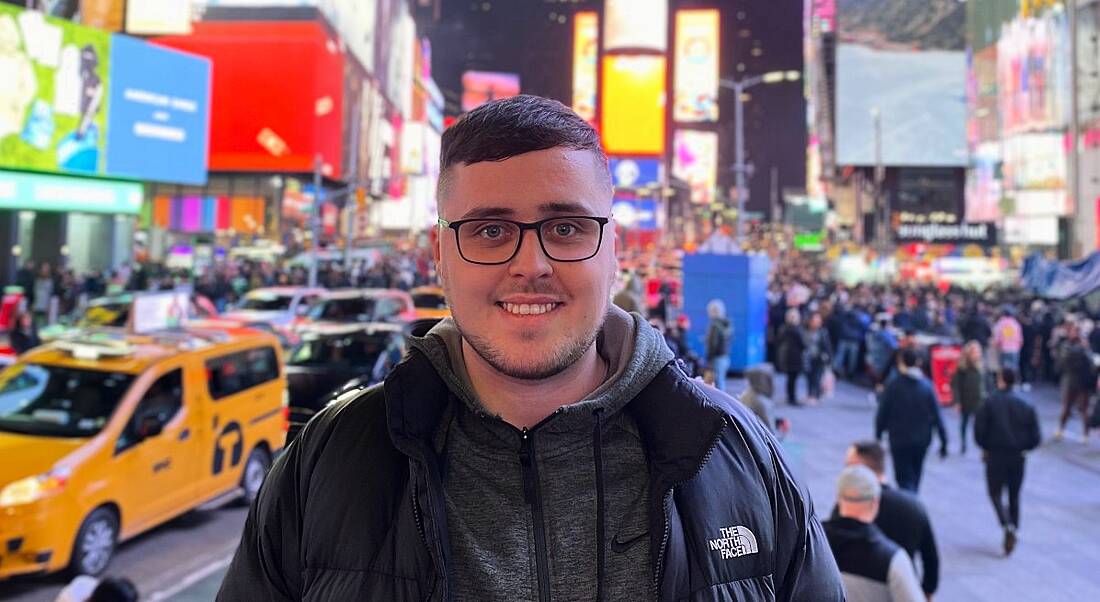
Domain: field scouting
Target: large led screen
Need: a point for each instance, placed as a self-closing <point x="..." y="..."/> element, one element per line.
<point x="632" y="114"/>
<point x="695" y="161"/>
<point x="695" y="89"/>
<point x="585" y="51"/>
<point x="479" y="87"/>
<point x="632" y="25"/>
<point x="905" y="60"/>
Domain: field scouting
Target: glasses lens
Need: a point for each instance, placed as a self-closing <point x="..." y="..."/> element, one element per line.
<point x="488" y="241"/>
<point x="571" y="238"/>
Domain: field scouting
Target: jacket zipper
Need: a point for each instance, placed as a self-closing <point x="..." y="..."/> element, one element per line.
<point x="531" y="496"/>
<point x="434" y="544"/>
<point x="668" y="497"/>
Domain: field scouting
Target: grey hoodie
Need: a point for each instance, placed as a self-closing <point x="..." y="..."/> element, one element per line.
<point x="522" y="507"/>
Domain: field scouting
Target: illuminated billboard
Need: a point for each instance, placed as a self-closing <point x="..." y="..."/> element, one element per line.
<point x="695" y="84"/>
<point x="695" y="161"/>
<point x="479" y="87"/>
<point x="635" y="25"/>
<point x="905" y="59"/>
<point x="632" y="114"/>
<point x="585" y="50"/>
<point x="1033" y="73"/>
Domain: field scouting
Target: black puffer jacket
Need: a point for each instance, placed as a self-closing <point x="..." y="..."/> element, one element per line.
<point x="354" y="509"/>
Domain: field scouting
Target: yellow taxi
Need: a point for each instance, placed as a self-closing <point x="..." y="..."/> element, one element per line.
<point x="106" y="435"/>
<point x="430" y="303"/>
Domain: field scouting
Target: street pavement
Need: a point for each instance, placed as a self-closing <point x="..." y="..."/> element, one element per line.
<point x="1056" y="559"/>
<point x="1059" y="548"/>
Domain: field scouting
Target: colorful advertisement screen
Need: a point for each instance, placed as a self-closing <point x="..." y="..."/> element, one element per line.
<point x="479" y="87"/>
<point x="904" y="60"/>
<point x="632" y="114"/>
<point x="53" y="101"/>
<point x="42" y="192"/>
<point x="695" y="87"/>
<point x="250" y="128"/>
<point x="635" y="214"/>
<point x="160" y="112"/>
<point x="695" y="161"/>
<point x="585" y="50"/>
<point x="629" y="173"/>
<point x="635" y="25"/>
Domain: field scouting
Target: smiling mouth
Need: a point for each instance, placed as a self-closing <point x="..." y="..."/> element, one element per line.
<point x="528" y="309"/>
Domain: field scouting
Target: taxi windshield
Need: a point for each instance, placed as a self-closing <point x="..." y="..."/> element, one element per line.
<point x="53" y="401"/>
<point x="265" y="302"/>
<point x="429" y="301"/>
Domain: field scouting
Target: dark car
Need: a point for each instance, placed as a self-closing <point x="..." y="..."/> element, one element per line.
<point x="329" y="356"/>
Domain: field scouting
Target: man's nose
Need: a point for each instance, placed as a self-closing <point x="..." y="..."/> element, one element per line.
<point x="530" y="260"/>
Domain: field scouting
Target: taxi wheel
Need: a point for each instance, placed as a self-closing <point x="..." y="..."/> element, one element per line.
<point x="255" y="469"/>
<point x="95" y="543"/>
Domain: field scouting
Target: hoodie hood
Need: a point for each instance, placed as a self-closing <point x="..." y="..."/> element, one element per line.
<point x="634" y="351"/>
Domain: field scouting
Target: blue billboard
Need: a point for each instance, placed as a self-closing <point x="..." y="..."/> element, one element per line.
<point x="159" y="118"/>
<point x="634" y="173"/>
<point x="635" y="214"/>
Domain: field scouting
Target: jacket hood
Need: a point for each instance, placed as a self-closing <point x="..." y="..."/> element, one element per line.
<point x="843" y="531"/>
<point x="634" y="350"/>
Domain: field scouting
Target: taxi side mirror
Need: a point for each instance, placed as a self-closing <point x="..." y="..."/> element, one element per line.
<point x="150" y="426"/>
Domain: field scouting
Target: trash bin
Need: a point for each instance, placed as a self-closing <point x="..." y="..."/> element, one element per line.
<point x="944" y="360"/>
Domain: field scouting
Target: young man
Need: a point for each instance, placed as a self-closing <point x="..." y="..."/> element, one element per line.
<point x="1005" y="428"/>
<point x="901" y="517"/>
<point x="909" y="413"/>
<point x="874" y="568"/>
<point x="541" y="445"/>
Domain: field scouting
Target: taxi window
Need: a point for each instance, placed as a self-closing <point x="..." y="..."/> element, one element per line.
<point x="163" y="400"/>
<point x="233" y="373"/>
<point x="429" y="301"/>
<point x="59" y="402"/>
<point x="388" y="307"/>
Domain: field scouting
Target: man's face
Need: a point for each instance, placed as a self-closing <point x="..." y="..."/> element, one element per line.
<point x="486" y="300"/>
<point x="852" y="458"/>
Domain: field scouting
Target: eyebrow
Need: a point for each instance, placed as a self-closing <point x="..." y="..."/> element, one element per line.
<point x="558" y="207"/>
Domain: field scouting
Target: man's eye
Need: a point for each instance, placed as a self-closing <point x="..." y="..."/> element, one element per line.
<point x="491" y="231"/>
<point x="565" y="229"/>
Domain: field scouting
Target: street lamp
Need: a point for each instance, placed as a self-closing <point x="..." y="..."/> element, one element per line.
<point x="739" y="87"/>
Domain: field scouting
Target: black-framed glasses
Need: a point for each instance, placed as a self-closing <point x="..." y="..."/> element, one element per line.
<point x="493" y="241"/>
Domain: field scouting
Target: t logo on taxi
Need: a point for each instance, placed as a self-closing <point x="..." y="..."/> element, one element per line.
<point x="735" y="542"/>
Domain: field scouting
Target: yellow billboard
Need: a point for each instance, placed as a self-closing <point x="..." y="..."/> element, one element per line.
<point x="585" y="46"/>
<point x="695" y="83"/>
<point x="632" y="111"/>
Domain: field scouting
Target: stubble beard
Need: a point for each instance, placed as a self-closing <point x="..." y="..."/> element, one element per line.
<point x="557" y="360"/>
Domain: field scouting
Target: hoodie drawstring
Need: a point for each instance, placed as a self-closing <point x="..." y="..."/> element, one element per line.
<point x="597" y="452"/>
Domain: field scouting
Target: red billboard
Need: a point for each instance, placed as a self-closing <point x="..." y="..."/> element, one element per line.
<point x="277" y="94"/>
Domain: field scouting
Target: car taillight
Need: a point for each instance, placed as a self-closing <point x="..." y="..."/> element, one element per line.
<point x="286" y="419"/>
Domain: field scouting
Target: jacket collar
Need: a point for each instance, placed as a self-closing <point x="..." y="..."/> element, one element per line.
<point x="416" y="399"/>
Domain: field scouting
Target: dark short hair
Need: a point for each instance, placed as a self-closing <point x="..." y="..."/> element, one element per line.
<point x="872" y="455"/>
<point x="115" y="589"/>
<point x="1008" y="377"/>
<point x="908" y="357"/>
<point x="505" y="128"/>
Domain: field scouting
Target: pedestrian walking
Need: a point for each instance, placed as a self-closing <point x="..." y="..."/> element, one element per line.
<point x="1078" y="379"/>
<point x="909" y="414"/>
<point x="1006" y="428"/>
<point x="543" y="443"/>
<point x="819" y="353"/>
<point x="873" y="568"/>
<point x="791" y="353"/>
<point x="901" y="516"/>
<point x="968" y="388"/>
<point x="719" y="336"/>
<point x="1008" y="340"/>
<point x="882" y="346"/>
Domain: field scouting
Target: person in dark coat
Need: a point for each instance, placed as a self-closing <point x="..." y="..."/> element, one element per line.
<point x="909" y="413"/>
<point x="719" y="336"/>
<point x="901" y="515"/>
<point x="24" y="335"/>
<point x="819" y="354"/>
<point x="790" y="353"/>
<point x="1006" y="428"/>
<point x="968" y="388"/>
<point x="874" y="568"/>
<point x="1078" y="379"/>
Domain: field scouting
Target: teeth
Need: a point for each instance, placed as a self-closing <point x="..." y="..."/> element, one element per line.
<point x="526" y="309"/>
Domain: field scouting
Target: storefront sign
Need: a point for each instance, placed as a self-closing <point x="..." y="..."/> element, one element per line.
<point x="160" y="110"/>
<point x="962" y="233"/>
<point x="59" y="193"/>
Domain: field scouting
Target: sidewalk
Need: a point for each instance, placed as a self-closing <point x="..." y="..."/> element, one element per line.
<point x="1059" y="550"/>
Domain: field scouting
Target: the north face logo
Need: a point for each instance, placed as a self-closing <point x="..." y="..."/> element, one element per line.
<point x="735" y="542"/>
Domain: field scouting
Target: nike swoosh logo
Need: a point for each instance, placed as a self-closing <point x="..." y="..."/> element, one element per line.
<point x="619" y="547"/>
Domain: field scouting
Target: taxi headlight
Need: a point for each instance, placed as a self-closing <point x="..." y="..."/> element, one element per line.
<point x="32" y="489"/>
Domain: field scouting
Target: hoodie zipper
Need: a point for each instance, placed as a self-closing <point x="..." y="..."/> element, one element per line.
<point x="532" y="497"/>
<point x="434" y="545"/>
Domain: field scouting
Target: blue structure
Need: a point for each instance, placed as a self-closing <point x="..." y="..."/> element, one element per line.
<point x="741" y="282"/>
